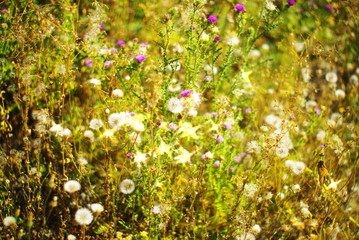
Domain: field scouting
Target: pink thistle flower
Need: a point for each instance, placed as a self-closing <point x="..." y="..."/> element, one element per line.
<point x="120" y="43"/>
<point x="240" y="8"/>
<point x="217" y="38"/>
<point x="329" y="7"/>
<point x="186" y="93"/>
<point x="140" y="58"/>
<point x="88" y="63"/>
<point x="237" y="159"/>
<point x="217" y="163"/>
<point x="291" y="2"/>
<point x="214" y="114"/>
<point x="102" y="27"/>
<point x="212" y="19"/>
<point x="108" y="64"/>
<point x="220" y="139"/>
<point x="227" y="125"/>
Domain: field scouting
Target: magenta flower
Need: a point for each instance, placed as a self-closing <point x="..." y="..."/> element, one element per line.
<point x="240" y="8"/>
<point x="318" y="111"/>
<point x="217" y="163"/>
<point x="237" y="159"/>
<point x="232" y="169"/>
<point x="208" y="78"/>
<point x="120" y="43"/>
<point x="212" y="19"/>
<point x="114" y="50"/>
<point x="88" y="63"/>
<point x="227" y="125"/>
<point x="217" y="39"/>
<point x="248" y="110"/>
<point x="291" y="2"/>
<point x="102" y="27"/>
<point x="220" y="139"/>
<point x="186" y="93"/>
<point x="144" y="44"/>
<point x="214" y="114"/>
<point x="140" y="58"/>
<point x="129" y="155"/>
<point x="243" y="154"/>
<point x="292" y="116"/>
<point x="5" y="11"/>
<point x="329" y="7"/>
<point x="132" y="114"/>
<point x="108" y="64"/>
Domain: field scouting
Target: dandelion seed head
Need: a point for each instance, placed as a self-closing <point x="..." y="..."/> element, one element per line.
<point x="97" y="208"/>
<point x="96" y="123"/>
<point x="84" y="216"/>
<point x="72" y="186"/>
<point x="9" y="221"/>
<point x="127" y="186"/>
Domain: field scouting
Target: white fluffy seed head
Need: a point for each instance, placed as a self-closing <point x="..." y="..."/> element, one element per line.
<point x="72" y="186"/>
<point x="127" y="186"/>
<point x="96" y="208"/>
<point x="9" y="221"/>
<point x="83" y="216"/>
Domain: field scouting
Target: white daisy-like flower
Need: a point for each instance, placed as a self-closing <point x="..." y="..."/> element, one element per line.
<point x="117" y="93"/>
<point x="95" y="82"/>
<point x="96" y="123"/>
<point x="57" y="129"/>
<point x="83" y="216"/>
<point x="127" y="186"/>
<point x="72" y="186"/>
<point x="9" y="221"/>
<point x="96" y="208"/>
<point x="140" y="158"/>
<point x="175" y="105"/>
<point x="270" y="5"/>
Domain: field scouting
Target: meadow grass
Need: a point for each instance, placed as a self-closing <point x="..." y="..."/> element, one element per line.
<point x="192" y="119"/>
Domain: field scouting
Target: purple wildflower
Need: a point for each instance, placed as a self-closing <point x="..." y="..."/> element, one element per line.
<point x="144" y="44"/>
<point x="102" y="27"/>
<point x="108" y="64"/>
<point x="172" y="126"/>
<point x="240" y="8"/>
<point x="220" y="139"/>
<point x="217" y="163"/>
<point x="186" y="93"/>
<point x="291" y="2"/>
<point x="132" y="114"/>
<point x="227" y="125"/>
<point x="5" y="11"/>
<point x="208" y="78"/>
<point x="329" y="7"/>
<point x="140" y="58"/>
<point x="88" y="63"/>
<point x="322" y="146"/>
<point x="318" y="111"/>
<point x="243" y="154"/>
<point x="212" y="19"/>
<point x="238" y="159"/>
<point x="214" y="114"/>
<point x="120" y="43"/>
<point x="129" y="155"/>
<point x="292" y="116"/>
<point x="217" y="38"/>
<point x="232" y="169"/>
<point x="248" y="110"/>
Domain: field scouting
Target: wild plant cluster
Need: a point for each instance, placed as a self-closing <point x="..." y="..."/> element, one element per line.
<point x="179" y="119"/>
